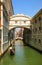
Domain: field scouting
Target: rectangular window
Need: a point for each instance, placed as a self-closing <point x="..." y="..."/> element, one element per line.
<point x="39" y="18"/>
<point x="39" y="41"/>
<point x="35" y="21"/>
<point x="0" y="34"/>
<point x="39" y="28"/>
<point x="35" y="29"/>
<point x="5" y="34"/>
<point x="24" y="21"/>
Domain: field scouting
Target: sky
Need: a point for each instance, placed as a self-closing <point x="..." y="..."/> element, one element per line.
<point x="26" y="7"/>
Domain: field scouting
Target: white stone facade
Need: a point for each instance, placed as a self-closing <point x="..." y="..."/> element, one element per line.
<point x="19" y="20"/>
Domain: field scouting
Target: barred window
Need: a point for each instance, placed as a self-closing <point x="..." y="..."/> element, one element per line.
<point x="35" y="21"/>
<point x="24" y="21"/>
<point x="35" y="29"/>
<point x="39" y="28"/>
<point x="39" y="41"/>
<point x="39" y="18"/>
<point x="15" y="21"/>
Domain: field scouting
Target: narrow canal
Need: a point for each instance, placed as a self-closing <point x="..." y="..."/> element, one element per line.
<point x="24" y="55"/>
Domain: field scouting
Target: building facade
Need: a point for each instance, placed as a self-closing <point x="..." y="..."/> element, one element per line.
<point x="37" y="31"/>
<point x="6" y="10"/>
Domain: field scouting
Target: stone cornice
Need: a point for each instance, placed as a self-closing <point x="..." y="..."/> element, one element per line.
<point x="37" y="14"/>
<point x="20" y="15"/>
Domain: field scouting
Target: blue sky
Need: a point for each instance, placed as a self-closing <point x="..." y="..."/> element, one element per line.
<point x="27" y="7"/>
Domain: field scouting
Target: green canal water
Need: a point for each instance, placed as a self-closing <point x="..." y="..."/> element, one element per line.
<point x="24" y="55"/>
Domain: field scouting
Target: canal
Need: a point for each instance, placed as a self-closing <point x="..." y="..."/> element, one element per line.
<point x="24" y="55"/>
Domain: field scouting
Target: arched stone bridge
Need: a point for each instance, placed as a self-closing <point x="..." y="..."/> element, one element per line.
<point x="19" y="20"/>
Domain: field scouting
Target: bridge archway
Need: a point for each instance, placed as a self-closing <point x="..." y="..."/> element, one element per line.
<point x="18" y="21"/>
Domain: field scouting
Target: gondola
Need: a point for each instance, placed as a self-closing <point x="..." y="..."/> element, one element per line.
<point x="12" y="51"/>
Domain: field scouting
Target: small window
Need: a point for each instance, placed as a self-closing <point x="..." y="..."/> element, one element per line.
<point x="35" y="29"/>
<point x="35" y="21"/>
<point x="39" y="28"/>
<point x="39" y="41"/>
<point x="39" y="18"/>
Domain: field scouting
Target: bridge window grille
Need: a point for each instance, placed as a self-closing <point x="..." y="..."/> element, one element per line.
<point x="24" y="21"/>
<point x="15" y="21"/>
